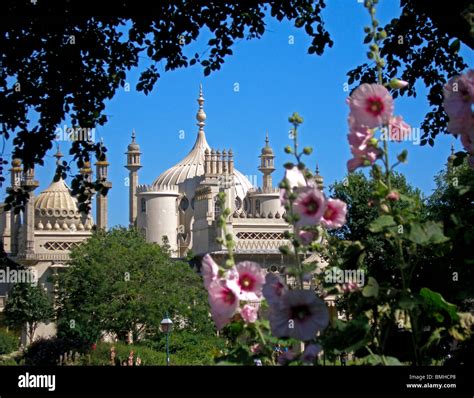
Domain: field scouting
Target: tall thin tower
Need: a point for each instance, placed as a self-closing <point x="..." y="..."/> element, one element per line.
<point x="133" y="165"/>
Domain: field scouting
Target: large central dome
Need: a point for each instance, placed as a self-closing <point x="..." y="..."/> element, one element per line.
<point x="187" y="173"/>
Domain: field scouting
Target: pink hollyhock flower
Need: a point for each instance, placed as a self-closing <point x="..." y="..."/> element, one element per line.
<point x="299" y="314"/>
<point x="309" y="205"/>
<point x="247" y="280"/>
<point x="366" y="159"/>
<point x="467" y="141"/>
<point x="223" y="301"/>
<point x="209" y="270"/>
<point x="470" y="161"/>
<point x="371" y="105"/>
<point x="359" y="140"/>
<point x="335" y="214"/>
<point x="286" y="357"/>
<point x="398" y="129"/>
<point x="458" y="101"/>
<point x="249" y="313"/>
<point x="283" y="196"/>
<point x="274" y="288"/>
<point x="255" y="348"/>
<point x="364" y="150"/>
<point x="349" y="287"/>
<point x="393" y="196"/>
<point x="311" y="352"/>
<point x="306" y="237"/>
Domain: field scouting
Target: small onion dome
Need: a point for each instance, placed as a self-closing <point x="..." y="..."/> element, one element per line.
<point x="267" y="149"/>
<point x="16" y="162"/>
<point x="133" y="146"/>
<point x="452" y="156"/>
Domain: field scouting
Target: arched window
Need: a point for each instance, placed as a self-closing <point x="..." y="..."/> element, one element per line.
<point x="143" y="205"/>
<point x="193" y="200"/>
<point x="217" y="208"/>
<point x="257" y="206"/>
<point x="246" y="205"/>
<point x="184" y="204"/>
<point x="238" y="203"/>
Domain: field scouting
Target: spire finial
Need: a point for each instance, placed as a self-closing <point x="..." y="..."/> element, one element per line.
<point x="452" y="148"/>
<point x="133" y="135"/>
<point x="317" y="169"/>
<point x="201" y="115"/>
<point x="58" y="155"/>
<point x="266" y="139"/>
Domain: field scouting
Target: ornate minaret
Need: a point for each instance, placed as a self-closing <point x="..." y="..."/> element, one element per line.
<point x="15" y="219"/>
<point x="267" y="166"/>
<point x="29" y="184"/>
<point x="133" y="165"/>
<point x="318" y="179"/>
<point x="451" y="159"/>
<point x="102" y="200"/>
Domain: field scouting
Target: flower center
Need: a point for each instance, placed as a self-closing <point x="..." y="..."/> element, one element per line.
<point x="300" y="312"/>
<point x="246" y="282"/>
<point x="311" y="206"/>
<point x="228" y="296"/>
<point x="329" y="213"/>
<point x="375" y="106"/>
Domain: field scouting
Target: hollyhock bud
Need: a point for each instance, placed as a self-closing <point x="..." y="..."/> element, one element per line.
<point x="384" y="208"/>
<point x="398" y="84"/>
<point x="393" y="196"/>
<point x="306" y="237"/>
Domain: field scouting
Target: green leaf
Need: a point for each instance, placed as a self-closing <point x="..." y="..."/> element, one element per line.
<point x="375" y="360"/>
<point x="381" y="189"/>
<point x="455" y="45"/>
<point x="371" y="289"/>
<point x="381" y="223"/>
<point x="407" y="302"/>
<point x="435" y="234"/>
<point x="435" y="302"/>
<point x="417" y="234"/>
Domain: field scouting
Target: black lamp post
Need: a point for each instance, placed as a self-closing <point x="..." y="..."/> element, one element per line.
<point x="166" y="325"/>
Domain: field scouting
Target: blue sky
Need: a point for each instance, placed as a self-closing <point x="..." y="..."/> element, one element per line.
<point x="275" y="79"/>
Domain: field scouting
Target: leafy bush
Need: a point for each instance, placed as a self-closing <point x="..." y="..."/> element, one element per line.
<point x="100" y="356"/>
<point x="183" y="351"/>
<point x="190" y="348"/>
<point x="46" y="352"/>
<point x="8" y="342"/>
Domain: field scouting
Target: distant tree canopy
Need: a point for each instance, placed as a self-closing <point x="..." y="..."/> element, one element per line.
<point x="356" y="190"/>
<point x="64" y="60"/>
<point x="448" y="271"/>
<point x="119" y="283"/>
<point x="29" y="305"/>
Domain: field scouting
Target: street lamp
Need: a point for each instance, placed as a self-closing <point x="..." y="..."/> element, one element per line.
<point x="166" y="325"/>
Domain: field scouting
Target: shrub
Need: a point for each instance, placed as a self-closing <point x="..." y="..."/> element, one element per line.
<point x="190" y="348"/>
<point x="47" y="352"/>
<point x="101" y="355"/>
<point x="8" y="342"/>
